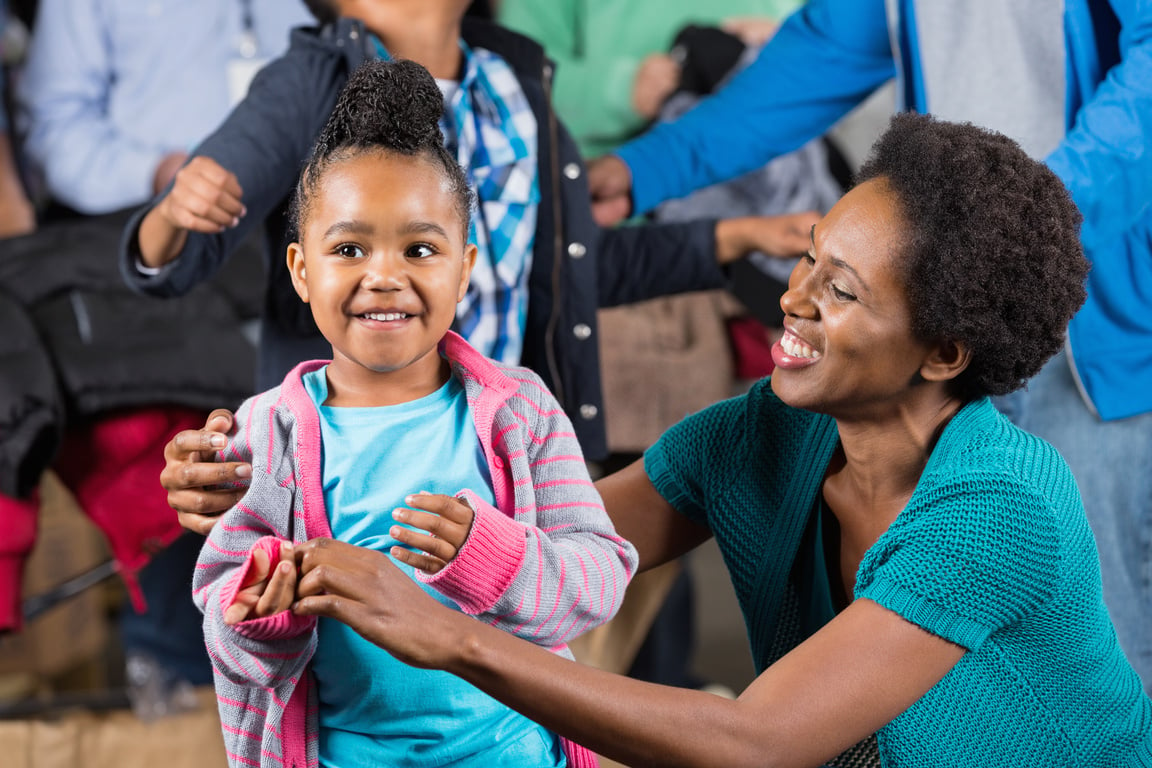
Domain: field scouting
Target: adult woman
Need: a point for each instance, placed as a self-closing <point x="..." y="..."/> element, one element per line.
<point x="908" y="563"/>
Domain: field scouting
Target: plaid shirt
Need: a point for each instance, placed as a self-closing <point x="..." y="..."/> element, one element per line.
<point x="489" y="126"/>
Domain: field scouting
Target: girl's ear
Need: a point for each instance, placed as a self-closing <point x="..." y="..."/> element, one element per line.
<point x="296" y="269"/>
<point x="466" y="272"/>
<point x="946" y="360"/>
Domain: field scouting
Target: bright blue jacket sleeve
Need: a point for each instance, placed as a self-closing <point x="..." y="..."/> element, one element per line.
<point x="826" y="58"/>
<point x="1106" y="158"/>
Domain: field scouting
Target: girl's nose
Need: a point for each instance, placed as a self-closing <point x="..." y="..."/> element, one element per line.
<point x="383" y="272"/>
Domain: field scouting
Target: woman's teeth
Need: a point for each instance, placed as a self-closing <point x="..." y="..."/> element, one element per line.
<point x="796" y="348"/>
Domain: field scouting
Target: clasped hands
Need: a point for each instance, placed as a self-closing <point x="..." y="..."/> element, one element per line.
<point x="432" y="529"/>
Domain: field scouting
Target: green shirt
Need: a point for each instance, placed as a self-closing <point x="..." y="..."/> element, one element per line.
<point x="598" y="46"/>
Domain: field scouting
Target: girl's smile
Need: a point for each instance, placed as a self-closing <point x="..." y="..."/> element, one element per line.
<point x="382" y="261"/>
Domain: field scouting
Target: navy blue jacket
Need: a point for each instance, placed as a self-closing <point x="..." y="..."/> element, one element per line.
<point x="577" y="266"/>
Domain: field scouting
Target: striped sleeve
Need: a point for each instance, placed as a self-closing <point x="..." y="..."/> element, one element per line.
<point x="270" y="650"/>
<point x="556" y="567"/>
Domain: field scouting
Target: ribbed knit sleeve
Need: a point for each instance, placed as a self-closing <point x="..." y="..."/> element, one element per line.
<point x="693" y="459"/>
<point x="553" y="566"/>
<point x="259" y="652"/>
<point x="971" y="554"/>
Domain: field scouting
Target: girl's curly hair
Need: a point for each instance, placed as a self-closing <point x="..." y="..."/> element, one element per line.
<point x="992" y="255"/>
<point x="386" y="106"/>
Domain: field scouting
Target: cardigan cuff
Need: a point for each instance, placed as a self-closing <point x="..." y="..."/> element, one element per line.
<point x="276" y="626"/>
<point x="487" y="564"/>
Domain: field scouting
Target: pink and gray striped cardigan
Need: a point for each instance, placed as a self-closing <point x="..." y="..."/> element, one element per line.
<point x="545" y="563"/>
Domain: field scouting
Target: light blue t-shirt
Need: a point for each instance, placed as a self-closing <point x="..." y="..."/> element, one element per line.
<point x="374" y="710"/>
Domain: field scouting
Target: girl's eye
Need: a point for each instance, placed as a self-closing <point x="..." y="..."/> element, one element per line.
<point x="349" y="251"/>
<point x="420" y="251"/>
<point x="841" y="294"/>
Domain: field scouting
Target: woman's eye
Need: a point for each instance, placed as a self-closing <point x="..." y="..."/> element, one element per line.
<point x="349" y="251"/>
<point x="841" y="294"/>
<point x="420" y="251"/>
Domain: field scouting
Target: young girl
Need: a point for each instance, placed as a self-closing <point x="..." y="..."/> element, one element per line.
<point x="508" y="526"/>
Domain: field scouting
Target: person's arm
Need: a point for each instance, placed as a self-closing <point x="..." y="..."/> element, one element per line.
<point x="17" y="217"/>
<point x="593" y="93"/>
<point x="201" y="489"/>
<point x="825" y="59"/>
<point x="646" y="261"/>
<point x="65" y="89"/>
<point x="238" y="176"/>
<point x="845" y="682"/>
<point x="555" y="570"/>
<point x="238" y="584"/>
<point x="1104" y="160"/>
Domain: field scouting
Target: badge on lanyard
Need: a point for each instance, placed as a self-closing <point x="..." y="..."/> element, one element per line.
<point x="245" y="64"/>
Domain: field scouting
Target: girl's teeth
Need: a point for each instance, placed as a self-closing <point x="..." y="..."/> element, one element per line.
<point x="385" y="316"/>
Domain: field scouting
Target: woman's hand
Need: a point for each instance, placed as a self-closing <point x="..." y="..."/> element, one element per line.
<point x="443" y="528"/>
<point x="265" y="591"/>
<point x="199" y="488"/>
<point x="364" y="589"/>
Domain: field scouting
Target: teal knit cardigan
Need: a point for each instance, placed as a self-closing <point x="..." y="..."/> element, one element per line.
<point x="993" y="552"/>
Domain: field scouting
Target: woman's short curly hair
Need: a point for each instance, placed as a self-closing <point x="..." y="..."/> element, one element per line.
<point x="992" y="255"/>
<point x="386" y="106"/>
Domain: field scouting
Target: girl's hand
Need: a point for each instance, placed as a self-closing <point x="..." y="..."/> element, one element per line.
<point x="261" y="595"/>
<point x="443" y="529"/>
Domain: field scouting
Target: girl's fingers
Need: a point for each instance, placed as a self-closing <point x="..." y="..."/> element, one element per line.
<point x="419" y="560"/>
<point x="281" y="590"/>
<point x="446" y="507"/>
<point x="258" y="572"/>
<point x="430" y="544"/>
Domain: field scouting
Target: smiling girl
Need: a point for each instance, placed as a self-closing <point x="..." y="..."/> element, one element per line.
<point x="506" y="525"/>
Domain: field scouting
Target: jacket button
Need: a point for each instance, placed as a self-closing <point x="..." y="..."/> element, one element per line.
<point x="588" y="411"/>
<point x="577" y="250"/>
<point x="581" y="331"/>
<point x="572" y="171"/>
<point x="499" y="462"/>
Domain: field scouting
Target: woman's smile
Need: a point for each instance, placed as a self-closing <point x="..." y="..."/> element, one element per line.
<point x="792" y="352"/>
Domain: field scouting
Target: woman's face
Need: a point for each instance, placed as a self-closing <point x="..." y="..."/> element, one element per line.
<point x="848" y="348"/>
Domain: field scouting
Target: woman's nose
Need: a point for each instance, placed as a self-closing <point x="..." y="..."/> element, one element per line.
<point x="797" y="300"/>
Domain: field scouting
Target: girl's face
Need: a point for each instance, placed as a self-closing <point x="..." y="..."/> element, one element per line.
<point x="382" y="260"/>
<point x="848" y="347"/>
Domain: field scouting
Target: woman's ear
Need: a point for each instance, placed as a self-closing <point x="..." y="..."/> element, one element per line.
<point x="295" y="260"/>
<point x="466" y="272"/>
<point x="946" y="360"/>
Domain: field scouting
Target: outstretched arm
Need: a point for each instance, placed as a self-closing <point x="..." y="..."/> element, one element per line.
<point x="825" y="59"/>
<point x="848" y="680"/>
